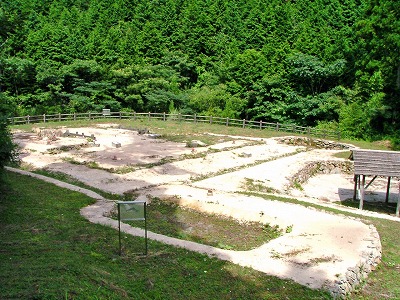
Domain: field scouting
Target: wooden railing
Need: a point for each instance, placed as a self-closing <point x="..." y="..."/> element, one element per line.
<point x="310" y="131"/>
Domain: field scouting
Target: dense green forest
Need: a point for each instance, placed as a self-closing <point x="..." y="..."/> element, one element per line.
<point x="333" y="64"/>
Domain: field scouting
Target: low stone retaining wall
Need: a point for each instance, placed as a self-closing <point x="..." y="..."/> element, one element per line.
<point x="320" y="167"/>
<point x="356" y="275"/>
<point x="315" y="143"/>
<point x="351" y="280"/>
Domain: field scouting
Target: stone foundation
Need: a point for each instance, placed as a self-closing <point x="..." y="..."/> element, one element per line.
<point x="358" y="274"/>
<point x="315" y="143"/>
<point x="321" y="167"/>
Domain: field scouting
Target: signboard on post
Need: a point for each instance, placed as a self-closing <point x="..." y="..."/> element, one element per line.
<point x="132" y="211"/>
<point x="106" y="112"/>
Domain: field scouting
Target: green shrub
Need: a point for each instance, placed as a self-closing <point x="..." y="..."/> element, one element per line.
<point x="8" y="149"/>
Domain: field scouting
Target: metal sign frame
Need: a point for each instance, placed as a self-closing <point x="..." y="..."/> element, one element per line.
<point x="132" y="211"/>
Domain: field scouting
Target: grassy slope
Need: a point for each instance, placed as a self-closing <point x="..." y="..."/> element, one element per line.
<point x="48" y="251"/>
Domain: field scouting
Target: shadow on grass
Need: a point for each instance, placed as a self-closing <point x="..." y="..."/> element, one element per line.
<point x="374" y="201"/>
<point x="380" y="207"/>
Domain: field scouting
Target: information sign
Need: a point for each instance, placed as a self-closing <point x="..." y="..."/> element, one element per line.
<point x="132" y="211"/>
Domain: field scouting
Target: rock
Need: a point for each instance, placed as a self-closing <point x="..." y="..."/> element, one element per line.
<point x="143" y="131"/>
<point x="195" y="143"/>
<point x="116" y="144"/>
<point x="154" y="136"/>
<point x="316" y="143"/>
<point x="244" y="154"/>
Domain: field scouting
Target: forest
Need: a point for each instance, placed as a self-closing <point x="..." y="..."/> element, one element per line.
<point x="332" y="64"/>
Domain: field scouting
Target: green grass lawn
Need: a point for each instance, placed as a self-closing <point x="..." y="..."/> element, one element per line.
<point x="49" y="251"/>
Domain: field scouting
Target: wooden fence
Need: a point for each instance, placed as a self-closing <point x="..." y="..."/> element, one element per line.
<point x="106" y="114"/>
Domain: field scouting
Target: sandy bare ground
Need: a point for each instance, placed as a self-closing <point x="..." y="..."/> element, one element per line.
<point x="320" y="250"/>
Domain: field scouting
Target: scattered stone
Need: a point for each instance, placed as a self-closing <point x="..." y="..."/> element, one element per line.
<point x="195" y="144"/>
<point x="66" y="133"/>
<point x="244" y="154"/>
<point x="143" y="131"/>
<point x="320" y="167"/>
<point x="116" y="144"/>
<point x="154" y="136"/>
<point x="315" y="143"/>
<point x="93" y="144"/>
<point x="77" y="134"/>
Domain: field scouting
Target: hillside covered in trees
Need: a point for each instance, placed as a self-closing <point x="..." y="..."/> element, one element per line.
<point x="333" y="64"/>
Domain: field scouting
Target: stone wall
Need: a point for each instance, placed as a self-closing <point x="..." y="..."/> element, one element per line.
<point x="320" y="167"/>
<point x="314" y="143"/>
<point x="356" y="275"/>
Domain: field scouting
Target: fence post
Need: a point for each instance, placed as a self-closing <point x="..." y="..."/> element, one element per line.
<point x="120" y="115"/>
<point x="227" y="121"/>
<point x="164" y="116"/>
<point x="74" y="116"/>
<point x="28" y="119"/>
<point x="244" y="123"/>
<point x="211" y="119"/>
<point x="194" y="118"/>
<point x="277" y="126"/>
<point x="134" y="116"/>
<point x="260" y="124"/>
<point x="59" y="117"/>
<point x="149" y="116"/>
<point x="44" y="118"/>
<point x="90" y="115"/>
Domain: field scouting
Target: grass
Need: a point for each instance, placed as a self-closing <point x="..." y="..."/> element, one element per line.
<point x="383" y="283"/>
<point x="184" y="131"/>
<point x="49" y="251"/>
<point x="168" y="218"/>
<point x="377" y="145"/>
<point x="171" y="130"/>
<point x="257" y="186"/>
<point x="71" y="180"/>
<point x="343" y="154"/>
<point x="380" y="207"/>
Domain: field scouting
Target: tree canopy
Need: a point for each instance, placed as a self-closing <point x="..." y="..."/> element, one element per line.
<point x="313" y="63"/>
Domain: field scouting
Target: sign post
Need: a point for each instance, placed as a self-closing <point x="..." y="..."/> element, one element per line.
<point x="132" y="211"/>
